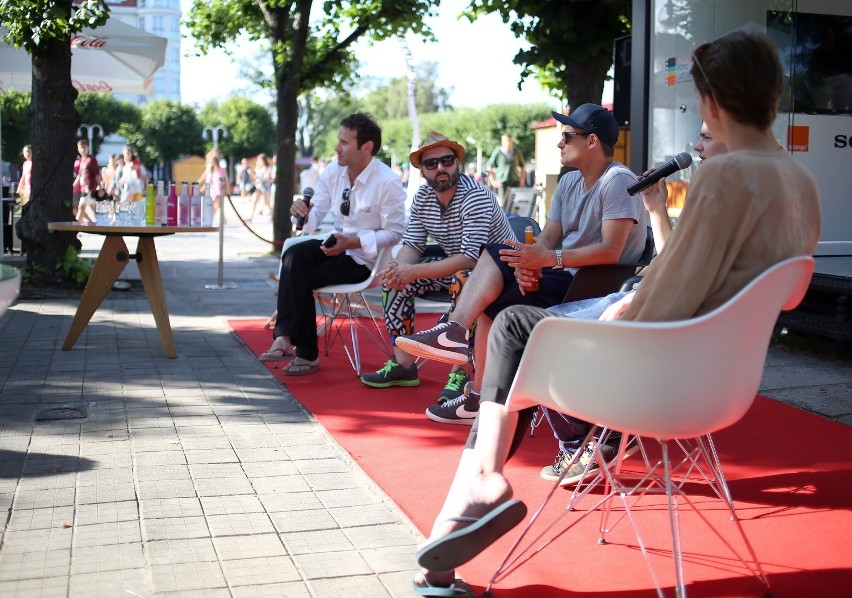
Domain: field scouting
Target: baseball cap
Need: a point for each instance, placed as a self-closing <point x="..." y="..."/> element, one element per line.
<point x="592" y="118"/>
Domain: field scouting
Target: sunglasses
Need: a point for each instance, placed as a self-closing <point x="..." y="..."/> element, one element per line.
<point x="344" y="207"/>
<point x="432" y="163"/>
<point x="566" y="136"/>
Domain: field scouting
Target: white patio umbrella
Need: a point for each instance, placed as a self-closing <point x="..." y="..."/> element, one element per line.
<point x="114" y="58"/>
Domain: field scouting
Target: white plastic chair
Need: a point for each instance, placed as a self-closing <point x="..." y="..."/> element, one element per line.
<point x="668" y="381"/>
<point x="342" y="307"/>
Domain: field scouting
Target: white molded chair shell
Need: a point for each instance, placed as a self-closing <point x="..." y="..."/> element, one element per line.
<point x="663" y="380"/>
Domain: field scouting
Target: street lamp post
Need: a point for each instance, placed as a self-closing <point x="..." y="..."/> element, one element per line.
<point x="473" y="141"/>
<point x="214" y="134"/>
<point x="90" y="133"/>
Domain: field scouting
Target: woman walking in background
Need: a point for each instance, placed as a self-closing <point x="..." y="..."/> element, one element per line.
<point x="262" y="186"/>
<point x="214" y="181"/>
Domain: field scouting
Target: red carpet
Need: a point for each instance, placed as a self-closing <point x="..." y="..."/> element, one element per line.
<point x="788" y="470"/>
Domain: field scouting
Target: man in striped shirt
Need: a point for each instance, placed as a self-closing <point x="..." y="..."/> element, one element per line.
<point x="458" y="214"/>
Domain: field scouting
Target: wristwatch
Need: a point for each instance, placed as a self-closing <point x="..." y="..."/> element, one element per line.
<point x="558" y="265"/>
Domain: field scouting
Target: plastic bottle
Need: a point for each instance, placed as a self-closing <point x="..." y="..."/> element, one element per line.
<point x="150" y="205"/>
<point x="160" y="206"/>
<point x="207" y="207"/>
<point x="172" y="206"/>
<point x="529" y="239"/>
<point x="195" y="207"/>
<point x="183" y="205"/>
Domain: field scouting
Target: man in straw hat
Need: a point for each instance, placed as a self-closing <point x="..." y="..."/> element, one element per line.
<point x="461" y="216"/>
<point x="593" y="220"/>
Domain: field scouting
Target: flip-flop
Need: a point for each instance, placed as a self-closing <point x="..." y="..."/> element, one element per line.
<point x="275" y="356"/>
<point x="300" y="369"/>
<point x="460" y="546"/>
<point x="457" y="589"/>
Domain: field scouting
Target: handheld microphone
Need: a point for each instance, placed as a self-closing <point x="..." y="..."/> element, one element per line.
<point x="679" y="162"/>
<point x="306" y="197"/>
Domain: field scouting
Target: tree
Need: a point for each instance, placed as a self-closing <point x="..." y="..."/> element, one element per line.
<point x="390" y="101"/>
<point x="571" y="41"/>
<point x="167" y="131"/>
<point x="44" y="28"/>
<point x="250" y="127"/>
<point x="307" y="52"/>
<point x="107" y="111"/>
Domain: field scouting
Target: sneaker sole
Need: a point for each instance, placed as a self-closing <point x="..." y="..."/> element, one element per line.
<point x="443" y="420"/>
<point x="429" y="352"/>
<point x="389" y="384"/>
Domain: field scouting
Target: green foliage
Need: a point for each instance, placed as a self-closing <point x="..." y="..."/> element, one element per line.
<point x="14" y="106"/>
<point x="250" y="127"/>
<point x="484" y="126"/>
<point x="571" y="41"/>
<point x="110" y="113"/>
<point x="390" y="100"/>
<point x="33" y="23"/>
<point x="76" y="270"/>
<point x="167" y="131"/>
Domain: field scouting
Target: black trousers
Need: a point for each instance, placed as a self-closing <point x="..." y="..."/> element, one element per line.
<point x="304" y="267"/>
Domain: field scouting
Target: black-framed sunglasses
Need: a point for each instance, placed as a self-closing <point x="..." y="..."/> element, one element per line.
<point x="344" y="207"/>
<point x="432" y="163"/>
<point x="567" y="135"/>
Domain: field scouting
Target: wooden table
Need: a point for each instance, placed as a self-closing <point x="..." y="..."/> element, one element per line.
<point x="111" y="262"/>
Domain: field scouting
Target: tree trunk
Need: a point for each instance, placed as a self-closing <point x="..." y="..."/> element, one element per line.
<point x="53" y="124"/>
<point x="584" y="81"/>
<point x="288" y="84"/>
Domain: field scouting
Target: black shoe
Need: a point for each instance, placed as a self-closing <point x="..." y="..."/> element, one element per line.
<point x="445" y="342"/>
<point x="460" y="411"/>
<point x="392" y="374"/>
<point x="454" y="387"/>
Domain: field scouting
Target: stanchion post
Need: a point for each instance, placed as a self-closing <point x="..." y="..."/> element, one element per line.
<point x="221" y="284"/>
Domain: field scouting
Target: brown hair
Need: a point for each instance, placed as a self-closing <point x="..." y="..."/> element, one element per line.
<point x="742" y="72"/>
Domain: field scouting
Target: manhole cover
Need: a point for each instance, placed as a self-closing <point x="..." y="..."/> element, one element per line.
<point x="61" y="413"/>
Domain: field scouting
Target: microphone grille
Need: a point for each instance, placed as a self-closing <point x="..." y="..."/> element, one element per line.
<point x="309" y="191"/>
<point x="683" y="160"/>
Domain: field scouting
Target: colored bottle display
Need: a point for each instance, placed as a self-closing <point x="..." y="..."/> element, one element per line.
<point x="160" y="206"/>
<point x="206" y="207"/>
<point x="529" y="239"/>
<point x="195" y="206"/>
<point x="183" y="205"/>
<point x="150" y="205"/>
<point x="172" y="206"/>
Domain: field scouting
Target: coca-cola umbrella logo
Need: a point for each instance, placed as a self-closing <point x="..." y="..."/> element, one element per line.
<point x="89" y="41"/>
<point x="113" y="58"/>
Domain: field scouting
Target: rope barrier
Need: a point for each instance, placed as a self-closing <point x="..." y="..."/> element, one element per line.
<point x="246" y="224"/>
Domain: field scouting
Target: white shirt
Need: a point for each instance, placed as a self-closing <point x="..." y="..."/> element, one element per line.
<point x="376" y="208"/>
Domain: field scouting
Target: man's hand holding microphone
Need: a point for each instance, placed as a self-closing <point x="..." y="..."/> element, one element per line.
<point x="299" y="210"/>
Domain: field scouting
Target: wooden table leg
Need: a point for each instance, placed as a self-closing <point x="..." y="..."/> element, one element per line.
<point x="110" y="263"/>
<point x="149" y="269"/>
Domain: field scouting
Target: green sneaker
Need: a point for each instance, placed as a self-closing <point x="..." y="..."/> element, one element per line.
<point x="454" y="387"/>
<point x="392" y="374"/>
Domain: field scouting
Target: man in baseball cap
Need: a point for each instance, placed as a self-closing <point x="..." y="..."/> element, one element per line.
<point x="592" y="118"/>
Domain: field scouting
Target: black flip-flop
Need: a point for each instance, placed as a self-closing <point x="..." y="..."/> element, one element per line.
<point x="460" y="546"/>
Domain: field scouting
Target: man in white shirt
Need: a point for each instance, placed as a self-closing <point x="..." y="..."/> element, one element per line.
<point x="367" y="204"/>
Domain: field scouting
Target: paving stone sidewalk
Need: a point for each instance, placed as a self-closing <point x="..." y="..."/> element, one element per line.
<point x="202" y="475"/>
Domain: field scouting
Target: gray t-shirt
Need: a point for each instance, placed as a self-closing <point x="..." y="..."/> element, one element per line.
<point x="582" y="212"/>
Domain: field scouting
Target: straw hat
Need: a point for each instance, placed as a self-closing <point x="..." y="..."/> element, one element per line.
<point x="435" y="139"/>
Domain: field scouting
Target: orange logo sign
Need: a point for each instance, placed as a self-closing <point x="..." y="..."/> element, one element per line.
<point x="797" y="138"/>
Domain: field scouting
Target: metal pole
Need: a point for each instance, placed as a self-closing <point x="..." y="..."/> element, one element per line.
<point x="221" y="284"/>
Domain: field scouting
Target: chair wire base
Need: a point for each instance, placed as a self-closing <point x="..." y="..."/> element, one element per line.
<point x="341" y="307"/>
<point x="664" y="476"/>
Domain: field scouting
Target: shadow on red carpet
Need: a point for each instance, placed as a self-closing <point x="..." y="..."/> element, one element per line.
<point x="788" y="471"/>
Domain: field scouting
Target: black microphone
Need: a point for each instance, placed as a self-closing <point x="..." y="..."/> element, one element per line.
<point x="306" y="197"/>
<point x="679" y="162"/>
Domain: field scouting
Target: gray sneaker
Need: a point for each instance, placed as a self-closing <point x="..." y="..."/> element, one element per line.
<point x="446" y="342"/>
<point x="392" y="374"/>
<point x="586" y="466"/>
